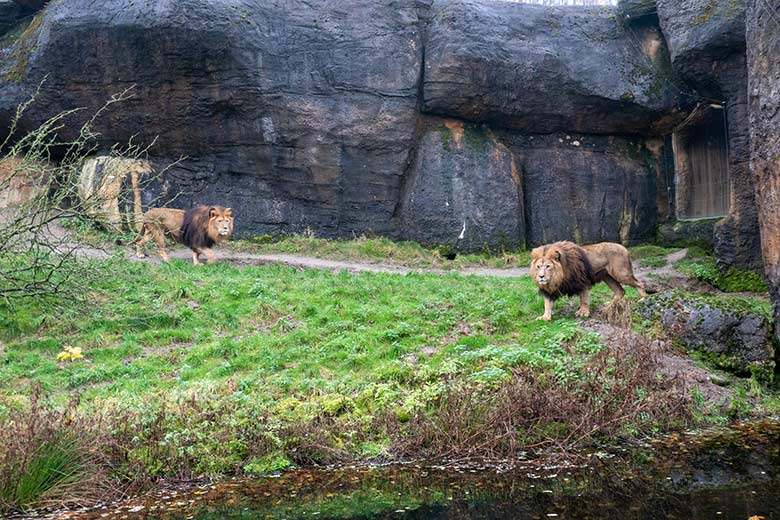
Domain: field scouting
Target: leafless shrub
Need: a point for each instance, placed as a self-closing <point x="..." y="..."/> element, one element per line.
<point x="617" y="313"/>
<point x="619" y="394"/>
<point x="38" y="256"/>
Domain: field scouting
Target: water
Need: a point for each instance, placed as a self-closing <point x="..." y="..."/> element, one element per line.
<point x="732" y="475"/>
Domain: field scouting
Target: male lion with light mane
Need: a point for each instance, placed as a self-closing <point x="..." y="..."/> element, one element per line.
<point x="566" y="269"/>
<point x="198" y="228"/>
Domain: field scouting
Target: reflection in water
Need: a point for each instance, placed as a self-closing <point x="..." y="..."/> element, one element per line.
<point x="726" y="476"/>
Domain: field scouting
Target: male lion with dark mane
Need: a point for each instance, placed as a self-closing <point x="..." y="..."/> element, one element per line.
<point x="198" y="228"/>
<point x="566" y="269"/>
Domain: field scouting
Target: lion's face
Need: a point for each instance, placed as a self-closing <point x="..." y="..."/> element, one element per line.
<point x="546" y="268"/>
<point x="220" y="223"/>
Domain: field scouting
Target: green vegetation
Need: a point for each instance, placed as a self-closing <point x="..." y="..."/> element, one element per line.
<point x="701" y="266"/>
<point x="149" y="328"/>
<point x="374" y="249"/>
<point x="223" y="370"/>
<point x="651" y="255"/>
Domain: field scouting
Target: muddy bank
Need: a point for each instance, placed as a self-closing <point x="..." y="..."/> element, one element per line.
<point x="725" y="474"/>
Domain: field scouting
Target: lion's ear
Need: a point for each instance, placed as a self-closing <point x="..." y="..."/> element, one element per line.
<point x="537" y="252"/>
<point x="213" y="212"/>
<point x="555" y="254"/>
<point x="228" y="213"/>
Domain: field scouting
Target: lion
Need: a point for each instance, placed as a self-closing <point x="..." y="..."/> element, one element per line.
<point x="157" y="224"/>
<point x="198" y="228"/>
<point x="566" y="269"/>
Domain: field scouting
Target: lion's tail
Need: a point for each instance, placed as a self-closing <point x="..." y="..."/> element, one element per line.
<point x="652" y="288"/>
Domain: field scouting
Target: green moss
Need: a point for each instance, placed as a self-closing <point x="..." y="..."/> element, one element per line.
<point x="270" y="463"/>
<point x="739" y="280"/>
<point x="706" y="15"/>
<point x="23" y="46"/>
<point x="733" y="280"/>
<point x="477" y="138"/>
<point x="445" y="134"/>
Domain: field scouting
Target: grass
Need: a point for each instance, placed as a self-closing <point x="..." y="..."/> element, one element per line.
<point x="223" y="370"/>
<point x="380" y="249"/>
<point x="276" y="329"/>
<point x="699" y="265"/>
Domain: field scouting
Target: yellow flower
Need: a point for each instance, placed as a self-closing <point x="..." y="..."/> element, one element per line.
<point x="70" y="354"/>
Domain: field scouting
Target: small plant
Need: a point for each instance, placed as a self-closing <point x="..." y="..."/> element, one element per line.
<point x="70" y="354"/>
<point x="48" y="457"/>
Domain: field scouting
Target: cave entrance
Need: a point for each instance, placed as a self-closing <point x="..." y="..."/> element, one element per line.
<point x="702" y="184"/>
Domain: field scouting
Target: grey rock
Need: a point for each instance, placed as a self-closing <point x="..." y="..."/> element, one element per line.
<point x="636" y="9"/>
<point x="297" y="114"/>
<point x="701" y="33"/>
<point x="10" y="14"/>
<point x="587" y="188"/>
<point x="684" y="234"/>
<point x="734" y="338"/>
<point x="545" y="69"/>
<point x="464" y="191"/>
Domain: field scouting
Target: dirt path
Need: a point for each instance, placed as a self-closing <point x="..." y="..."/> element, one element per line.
<point x="359" y="266"/>
<point x="352" y="266"/>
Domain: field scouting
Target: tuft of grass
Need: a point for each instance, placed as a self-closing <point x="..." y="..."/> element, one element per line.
<point x="55" y="466"/>
<point x="48" y="457"/>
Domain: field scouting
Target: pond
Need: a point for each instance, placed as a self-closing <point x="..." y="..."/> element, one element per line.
<point x="732" y="474"/>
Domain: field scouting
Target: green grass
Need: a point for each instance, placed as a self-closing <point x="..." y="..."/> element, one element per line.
<point x="278" y="331"/>
<point x="701" y="266"/>
<point x="651" y="255"/>
<point x="53" y="468"/>
<point x="380" y="249"/>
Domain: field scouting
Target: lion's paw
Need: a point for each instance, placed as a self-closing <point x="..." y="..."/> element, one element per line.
<point x="544" y="318"/>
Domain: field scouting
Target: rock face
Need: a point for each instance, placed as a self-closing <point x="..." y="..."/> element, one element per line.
<point x="734" y="338"/>
<point x="587" y="188"/>
<point x="21" y="183"/>
<point x="702" y="33"/>
<point x="636" y="9"/>
<point x="764" y="77"/>
<point x="707" y="46"/>
<point x="328" y="115"/>
<point x="543" y="69"/>
<point x="464" y="190"/>
<point x="297" y="114"/>
<point x="11" y="12"/>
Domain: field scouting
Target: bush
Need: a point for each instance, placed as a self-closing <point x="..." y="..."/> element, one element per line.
<point x="48" y="458"/>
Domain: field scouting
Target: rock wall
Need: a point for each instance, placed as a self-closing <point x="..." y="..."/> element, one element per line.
<point x="707" y="46"/>
<point x="763" y="27"/>
<point x="297" y="114"/>
<point x="464" y="190"/>
<point x="545" y="69"/>
<point x="588" y="188"/>
<point x="410" y="119"/>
